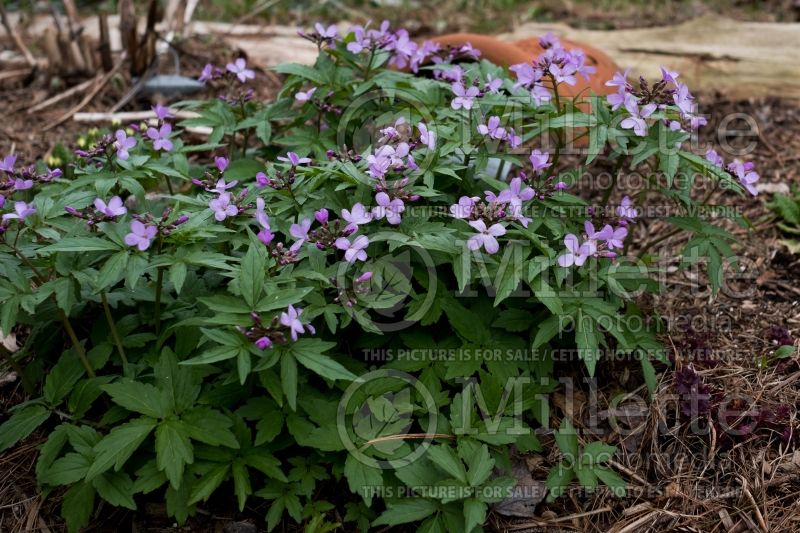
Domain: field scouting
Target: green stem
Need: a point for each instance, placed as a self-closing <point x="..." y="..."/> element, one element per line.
<point x="559" y="133"/>
<point x="169" y="186"/>
<point x="114" y="332"/>
<point x="76" y="344"/>
<point x="159" y="285"/>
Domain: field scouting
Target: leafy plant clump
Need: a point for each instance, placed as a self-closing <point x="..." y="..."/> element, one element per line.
<point x="373" y="281"/>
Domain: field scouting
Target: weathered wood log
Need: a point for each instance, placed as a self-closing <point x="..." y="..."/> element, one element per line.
<point x="740" y="59"/>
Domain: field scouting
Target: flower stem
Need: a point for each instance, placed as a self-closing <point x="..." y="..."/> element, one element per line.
<point x="169" y="186"/>
<point x="76" y="344"/>
<point x="114" y="333"/>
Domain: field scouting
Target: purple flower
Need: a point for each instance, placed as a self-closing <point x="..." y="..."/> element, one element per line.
<point x="492" y="128"/>
<point x="539" y="160"/>
<point x="114" y="207"/>
<point x="21" y="211"/>
<point x="326" y="33"/>
<point x="294" y="159"/>
<point x="321" y="216"/>
<point x="223" y="207"/>
<point x="615" y="237"/>
<point x="620" y="79"/>
<point x="560" y="186"/>
<point x="356" y="216"/>
<point x="636" y="120"/>
<point x="515" y="194"/>
<point x="577" y="254"/>
<point x="265" y="235"/>
<point x="222" y="186"/>
<point x="7" y="164"/>
<point x="161" y="112"/>
<point x="526" y="74"/>
<point x="513" y="139"/>
<point x="262" y="180"/>
<point x="304" y="96"/>
<point x="221" y="163"/>
<point x="464" y="97"/>
<point x="355" y="250"/>
<point x="493" y="85"/>
<point x="565" y="74"/>
<point x="239" y="67"/>
<point x="669" y="76"/>
<point x="22" y="184"/>
<point x="626" y="210"/>
<point x="207" y="73"/>
<point x="263" y="343"/>
<point x="463" y="209"/>
<point x="746" y="176"/>
<point x="160" y="137"/>
<point x="123" y="144"/>
<point x="366" y="276"/>
<point x="388" y="208"/>
<point x="486" y="237"/>
<point x="291" y="319"/>
<point x="715" y="158"/>
<point x="617" y="99"/>
<point x="540" y="93"/>
<point x="427" y="137"/>
<point x="683" y="99"/>
<point x="140" y="236"/>
<point x="2" y="201"/>
<point x="300" y="232"/>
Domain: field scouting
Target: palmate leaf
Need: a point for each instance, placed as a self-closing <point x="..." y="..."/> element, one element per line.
<point x="405" y="511"/>
<point x="78" y="505"/>
<point x="117" y="447"/>
<point x="206" y="485"/>
<point x="137" y="397"/>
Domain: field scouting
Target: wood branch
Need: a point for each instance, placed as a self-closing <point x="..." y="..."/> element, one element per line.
<point x="104" y="44"/>
<point x="63" y="96"/>
<point x="128" y="33"/>
<point x="740" y="59"/>
<point x="18" y="42"/>
<point x="98" y="86"/>
<point x="128" y="116"/>
<point x="54" y="53"/>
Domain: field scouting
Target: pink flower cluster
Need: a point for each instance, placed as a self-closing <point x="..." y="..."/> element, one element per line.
<point x="743" y="171"/>
<point x="600" y="243"/>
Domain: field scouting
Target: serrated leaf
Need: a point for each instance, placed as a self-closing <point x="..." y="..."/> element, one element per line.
<point x="116" y="488"/>
<point x="117" y="447"/>
<point x="77" y="506"/>
<point x="137" y="397"/>
<point x="66" y="470"/>
<point x="173" y="450"/>
<point x="474" y="514"/>
<point x="405" y="511"/>
<point x="206" y="485"/>
<point x="445" y="458"/>
<point x="21" y="424"/>
<point x="362" y="479"/>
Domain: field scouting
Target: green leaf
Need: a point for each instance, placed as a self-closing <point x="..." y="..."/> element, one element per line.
<point x="67" y="470"/>
<point x="137" y="397"/>
<point x="480" y="465"/>
<point x="445" y="458"/>
<point x="567" y="440"/>
<point x="251" y="275"/>
<point x="116" y="488"/>
<point x="21" y="424"/>
<point x="241" y="482"/>
<point x="474" y="514"/>
<point x="112" y="271"/>
<point x="119" y="445"/>
<point x="308" y="353"/>
<point x="558" y="479"/>
<point x="597" y="452"/>
<point x="265" y="463"/>
<point x="611" y="479"/>
<point x="77" y="506"/>
<point x="405" y="511"/>
<point x="62" y="378"/>
<point x="302" y="71"/>
<point x="588" y="342"/>
<point x="362" y="479"/>
<point x="289" y="380"/>
<point x="177" y="275"/>
<point x="206" y="485"/>
<point x="79" y="244"/>
<point x="210" y="427"/>
<point x="173" y="450"/>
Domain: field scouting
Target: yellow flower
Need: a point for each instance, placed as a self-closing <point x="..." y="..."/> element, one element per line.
<point x="82" y="142"/>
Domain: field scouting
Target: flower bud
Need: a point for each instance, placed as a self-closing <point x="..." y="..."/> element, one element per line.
<point x="263" y="343"/>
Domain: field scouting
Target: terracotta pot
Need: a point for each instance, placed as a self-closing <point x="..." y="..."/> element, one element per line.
<point x="507" y="54"/>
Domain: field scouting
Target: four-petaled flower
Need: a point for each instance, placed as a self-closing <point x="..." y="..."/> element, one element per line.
<point x="114" y="207"/>
<point x="464" y="207"/>
<point x="356" y="216"/>
<point x="299" y="232"/>
<point x="539" y="160"/>
<point x="7" y="164"/>
<point x="223" y="207"/>
<point x="426" y="136"/>
<point x="492" y="128"/>
<point x="464" y="97"/>
<point x="294" y="159"/>
<point x="140" y="236"/>
<point x="388" y="208"/>
<point x="123" y="144"/>
<point x="355" y="250"/>
<point x="291" y="319"/>
<point x="21" y="211"/>
<point x="326" y="33"/>
<point x="626" y="210"/>
<point x="265" y="235"/>
<point x="160" y="137"/>
<point x="486" y="237"/>
<point x="577" y="254"/>
<point x="239" y="67"/>
<point x="636" y="120"/>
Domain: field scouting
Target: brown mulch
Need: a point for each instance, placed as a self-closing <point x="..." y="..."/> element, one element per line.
<point x="680" y="480"/>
